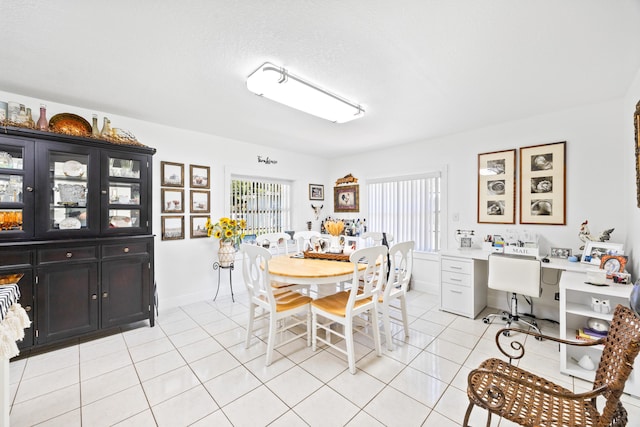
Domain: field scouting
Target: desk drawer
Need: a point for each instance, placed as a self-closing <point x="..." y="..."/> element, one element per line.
<point x="456" y="278"/>
<point x="457" y="299"/>
<point x="456" y="265"/>
<point x="73" y="253"/>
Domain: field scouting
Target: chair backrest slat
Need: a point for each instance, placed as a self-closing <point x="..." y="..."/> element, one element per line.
<point x="401" y="256"/>
<point x="255" y="271"/>
<point x="373" y="277"/>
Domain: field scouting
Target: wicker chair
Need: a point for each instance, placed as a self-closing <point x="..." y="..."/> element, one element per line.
<point x="528" y="400"/>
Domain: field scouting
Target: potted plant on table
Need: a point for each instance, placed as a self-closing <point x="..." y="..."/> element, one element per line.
<point x="230" y="232"/>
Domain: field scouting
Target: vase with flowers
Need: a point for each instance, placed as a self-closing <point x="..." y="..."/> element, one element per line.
<point x="230" y="232"/>
<point x="335" y="229"/>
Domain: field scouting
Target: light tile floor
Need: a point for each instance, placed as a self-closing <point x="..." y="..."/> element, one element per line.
<point x="193" y="369"/>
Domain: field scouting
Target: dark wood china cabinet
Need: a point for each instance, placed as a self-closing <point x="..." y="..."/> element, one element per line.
<point x="75" y="218"/>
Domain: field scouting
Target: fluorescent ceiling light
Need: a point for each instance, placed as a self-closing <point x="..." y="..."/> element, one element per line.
<point x="278" y="84"/>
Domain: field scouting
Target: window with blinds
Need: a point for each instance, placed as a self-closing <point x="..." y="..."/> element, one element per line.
<point x="265" y="205"/>
<point x="408" y="208"/>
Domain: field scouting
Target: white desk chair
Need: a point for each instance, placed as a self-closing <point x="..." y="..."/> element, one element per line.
<point x="517" y="275"/>
<point x="376" y="238"/>
<point x="305" y="239"/>
<point x="345" y="306"/>
<point x="280" y="309"/>
<point x="401" y="256"/>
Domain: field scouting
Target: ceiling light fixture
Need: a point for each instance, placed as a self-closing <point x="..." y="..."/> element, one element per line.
<point x="278" y="84"/>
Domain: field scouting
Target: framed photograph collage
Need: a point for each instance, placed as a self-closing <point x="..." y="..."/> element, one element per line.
<point x="172" y="181"/>
<point x="542" y="185"/>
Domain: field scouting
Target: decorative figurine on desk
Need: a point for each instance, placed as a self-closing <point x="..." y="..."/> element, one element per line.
<point x="586" y="236"/>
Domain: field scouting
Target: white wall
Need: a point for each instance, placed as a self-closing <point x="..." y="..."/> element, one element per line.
<point x="630" y="197"/>
<point x="600" y="181"/>
<point x="183" y="268"/>
<point x="597" y="147"/>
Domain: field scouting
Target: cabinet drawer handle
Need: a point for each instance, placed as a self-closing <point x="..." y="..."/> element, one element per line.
<point x="94" y="296"/>
<point x="30" y="189"/>
<point x="69" y="254"/>
<point x="105" y="294"/>
<point x="27" y="308"/>
<point x="453" y="279"/>
<point x="126" y="250"/>
<point x="103" y="191"/>
<point x="453" y="267"/>
<point x="455" y="292"/>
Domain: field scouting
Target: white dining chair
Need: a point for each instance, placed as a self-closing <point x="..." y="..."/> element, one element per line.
<point x="285" y="310"/>
<point x="278" y="244"/>
<point x="345" y="307"/>
<point x="395" y="289"/>
<point x="305" y="239"/>
<point x="374" y="238"/>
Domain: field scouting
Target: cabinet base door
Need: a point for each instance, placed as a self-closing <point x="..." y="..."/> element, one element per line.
<point x="67" y="301"/>
<point x="125" y="291"/>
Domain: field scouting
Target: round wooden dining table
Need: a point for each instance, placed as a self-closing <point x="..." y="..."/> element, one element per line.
<point x="310" y="271"/>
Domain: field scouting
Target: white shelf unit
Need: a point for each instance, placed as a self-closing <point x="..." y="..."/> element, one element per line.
<point x="463" y="285"/>
<point x="575" y="310"/>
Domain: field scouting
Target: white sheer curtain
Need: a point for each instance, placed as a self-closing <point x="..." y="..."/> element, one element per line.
<point x="408" y="207"/>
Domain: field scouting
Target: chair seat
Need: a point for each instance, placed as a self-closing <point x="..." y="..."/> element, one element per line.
<point x="336" y="304"/>
<point x="533" y="403"/>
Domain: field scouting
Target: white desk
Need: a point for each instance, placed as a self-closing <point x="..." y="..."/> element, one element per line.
<point x="575" y="309"/>
<point x="463" y="279"/>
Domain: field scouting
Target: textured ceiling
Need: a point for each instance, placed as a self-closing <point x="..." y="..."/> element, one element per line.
<point x="421" y="68"/>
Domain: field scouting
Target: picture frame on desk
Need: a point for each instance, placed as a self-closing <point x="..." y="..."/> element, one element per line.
<point x="543" y="184"/>
<point x="497" y="187"/>
<point x="594" y="251"/>
<point x="613" y="264"/>
<point x="560" y="253"/>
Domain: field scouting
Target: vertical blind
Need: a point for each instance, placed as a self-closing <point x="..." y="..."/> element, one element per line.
<point x="265" y="205"/>
<point x="408" y="208"/>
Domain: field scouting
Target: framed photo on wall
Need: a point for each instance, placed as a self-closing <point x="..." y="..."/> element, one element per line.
<point x="346" y="198"/>
<point x="497" y="187"/>
<point x="636" y="124"/>
<point x="173" y="227"/>
<point x="171" y="174"/>
<point x="199" y="201"/>
<point x="199" y="176"/>
<point x="172" y="200"/>
<point x="543" y="184"/>
<point x="198" y="228"/>
<point x="316" y="192"/>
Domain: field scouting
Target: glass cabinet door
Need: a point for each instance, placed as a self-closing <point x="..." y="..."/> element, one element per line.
<point x="16" y="189"/>
<point x="69" y="203"/>
<point x="126" y="180"/>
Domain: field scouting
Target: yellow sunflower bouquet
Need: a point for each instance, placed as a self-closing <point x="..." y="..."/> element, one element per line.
<point x="227" y="230"/>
